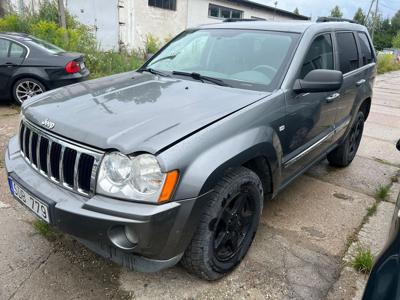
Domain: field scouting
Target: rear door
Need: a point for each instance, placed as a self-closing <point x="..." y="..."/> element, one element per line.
<point x="349" y="64"/>
<point x="310" y="116"/>
<point x="11" y="57"/>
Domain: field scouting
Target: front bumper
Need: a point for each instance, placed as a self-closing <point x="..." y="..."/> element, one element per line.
<point x="162" y="232"/>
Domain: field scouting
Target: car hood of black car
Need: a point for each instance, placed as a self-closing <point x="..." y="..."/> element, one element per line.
<point x="134" y="111"/>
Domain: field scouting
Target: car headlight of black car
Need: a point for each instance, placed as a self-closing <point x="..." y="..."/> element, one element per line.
<point x="135" y="178"/>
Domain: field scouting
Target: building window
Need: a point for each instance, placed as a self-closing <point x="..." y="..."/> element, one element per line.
<point x="166" y="4"/>
<point x="221" y="12"/>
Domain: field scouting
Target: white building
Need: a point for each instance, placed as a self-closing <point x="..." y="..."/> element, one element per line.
<point x="126" y="23"/>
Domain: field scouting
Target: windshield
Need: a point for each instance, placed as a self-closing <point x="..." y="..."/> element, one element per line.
<point x="250" y="59"/>
<point x="53" y="49"/>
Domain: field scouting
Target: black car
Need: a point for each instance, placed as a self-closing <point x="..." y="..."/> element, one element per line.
<point x="384" y="280"/>
<point x="30" y="66"/>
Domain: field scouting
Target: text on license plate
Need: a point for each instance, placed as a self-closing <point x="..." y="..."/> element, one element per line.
<point x="34" y="204"/>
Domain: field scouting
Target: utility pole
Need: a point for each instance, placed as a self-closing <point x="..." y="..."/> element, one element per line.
<point x="61" y="14"/>
<point x="275" y="3"/>
<point x="374" y="21"/>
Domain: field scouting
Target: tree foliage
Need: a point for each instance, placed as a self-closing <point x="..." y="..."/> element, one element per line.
<point x="296" y="11"/>
<point x="359" y="16"/>
<point x="336" y="12"/>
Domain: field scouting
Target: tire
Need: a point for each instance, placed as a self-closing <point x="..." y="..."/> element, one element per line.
<point x="227" y="226"/>
<point x="344" y="154"/>
<point x="26" y="88"/>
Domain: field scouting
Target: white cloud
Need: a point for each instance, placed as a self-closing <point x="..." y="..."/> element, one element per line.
<point x="317" y="8"/>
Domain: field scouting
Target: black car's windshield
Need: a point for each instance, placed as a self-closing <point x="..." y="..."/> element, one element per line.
<point x="53" y="49"/>
<point x="251" y="59"/>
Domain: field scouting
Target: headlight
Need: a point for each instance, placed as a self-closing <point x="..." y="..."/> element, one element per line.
<point x="135" y="178"/>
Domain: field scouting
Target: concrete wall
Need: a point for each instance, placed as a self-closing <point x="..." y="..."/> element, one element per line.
<point x="161" y="23"/>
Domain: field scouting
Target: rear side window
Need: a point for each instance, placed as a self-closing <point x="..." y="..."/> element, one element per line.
<point x="16" y="51"/>
<point x="348" y="53"/>
<point x="4" y="47"/>
<point x="367" y="55"/>
<point x="319" y="56"/>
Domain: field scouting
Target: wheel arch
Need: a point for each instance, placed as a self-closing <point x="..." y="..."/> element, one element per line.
<point x="365" y="107"/>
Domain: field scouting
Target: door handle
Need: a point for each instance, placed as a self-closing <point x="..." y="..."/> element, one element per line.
<point x="332" y="97"/>
<point x="360" y="82"/>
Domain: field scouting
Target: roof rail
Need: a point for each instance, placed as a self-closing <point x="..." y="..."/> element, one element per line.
<point x="240" y="20"/>
<point x="333" y="19"/>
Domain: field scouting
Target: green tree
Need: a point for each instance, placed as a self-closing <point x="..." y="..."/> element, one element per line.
<point x="396" y="41"/>
<point x="396" y="22"/>
<point x="359" y="16"/>
<point x="336" y="12"/>
<point x="296" y="11"/>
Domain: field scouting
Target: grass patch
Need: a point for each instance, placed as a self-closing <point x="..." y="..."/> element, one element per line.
<point x="382" y="192"/>
<point x="387" y="63"/>
<point x="372" y="209"/>
<point x="46" y="230"/>
<point x="363" y="261"/>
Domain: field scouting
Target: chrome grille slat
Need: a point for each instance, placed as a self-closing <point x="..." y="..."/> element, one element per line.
<point x="65" y="163"/>
<point x="76" y="171"/>
<point x="38" y="152"/>
<point x="60" y="165"/>
<point x="49" y="172"/>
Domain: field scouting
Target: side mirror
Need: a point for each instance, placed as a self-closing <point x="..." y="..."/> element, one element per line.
<point x="319" y="80"/>
<point x="398" y="145"/>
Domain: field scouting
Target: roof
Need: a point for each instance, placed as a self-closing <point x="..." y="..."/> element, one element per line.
<point x="287" y="26"/>
<point x="278" y="11"/>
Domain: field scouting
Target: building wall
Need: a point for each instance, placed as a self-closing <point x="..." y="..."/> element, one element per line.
<point x="160" y="23"/>
<point x="198" y="12"/>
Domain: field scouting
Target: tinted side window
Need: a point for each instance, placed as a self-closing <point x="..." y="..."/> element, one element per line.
<point x="4" y="47"/>
<point x="319" y="56"/>
<point x="367" y="55"/>
<point x="348" y="53"/>
<point x="17" y="51"/>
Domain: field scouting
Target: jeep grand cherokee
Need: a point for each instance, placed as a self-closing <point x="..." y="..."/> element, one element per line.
<point x="172" y="162"/>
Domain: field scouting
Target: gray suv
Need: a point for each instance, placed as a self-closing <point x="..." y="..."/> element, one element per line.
<point x="173" y="162"/>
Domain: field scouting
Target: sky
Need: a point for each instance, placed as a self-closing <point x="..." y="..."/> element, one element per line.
<point x="316" y="8"/>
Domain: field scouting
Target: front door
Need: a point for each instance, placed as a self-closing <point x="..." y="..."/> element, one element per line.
<point x="310" y="116"/>
<point x="11" y="57"/>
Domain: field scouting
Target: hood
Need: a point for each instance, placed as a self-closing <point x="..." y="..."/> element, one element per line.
<point x="133" y="112"/>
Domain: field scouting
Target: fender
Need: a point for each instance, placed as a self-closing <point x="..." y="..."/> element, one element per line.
<point x="203" y="171"/>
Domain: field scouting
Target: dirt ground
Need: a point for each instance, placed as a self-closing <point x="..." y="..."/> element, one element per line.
<point x="297" y="253"/>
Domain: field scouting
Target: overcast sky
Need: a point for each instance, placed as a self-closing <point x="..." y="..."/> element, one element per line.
<point x="316" y="8"/>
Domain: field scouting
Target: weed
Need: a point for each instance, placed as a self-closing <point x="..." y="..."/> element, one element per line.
<point x="372" y="209"/>
<point x="382" y="192"/>
<point x="363" y="261"/>
<point x="46" y="230"/>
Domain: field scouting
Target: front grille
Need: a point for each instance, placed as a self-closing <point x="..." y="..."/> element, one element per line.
<point x="71" y="166"/>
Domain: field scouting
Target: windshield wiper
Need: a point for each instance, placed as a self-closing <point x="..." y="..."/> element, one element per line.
<point x="155" y="72"/>
<point x="200" y="77"/>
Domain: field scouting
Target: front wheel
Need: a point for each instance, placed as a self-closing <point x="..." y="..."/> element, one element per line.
<point x="26" y="88"/>
<point x="227" y="226"/>
<point x="344" y="154"/>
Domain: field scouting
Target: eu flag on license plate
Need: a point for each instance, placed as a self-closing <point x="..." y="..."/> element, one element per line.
<point x="11" y="185"/>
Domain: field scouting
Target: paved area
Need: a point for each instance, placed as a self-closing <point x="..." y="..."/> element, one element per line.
<point x="297" y="254"/>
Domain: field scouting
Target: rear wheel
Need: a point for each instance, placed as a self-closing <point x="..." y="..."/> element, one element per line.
<point x="227" y="226"/>
<point x="344" y="154"/>
<point x="26" y="88"/>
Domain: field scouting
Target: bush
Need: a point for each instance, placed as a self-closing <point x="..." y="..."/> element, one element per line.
<point x="76" y="38"/>
<point x="387" y="63"/>
<point x="152" y="44"/>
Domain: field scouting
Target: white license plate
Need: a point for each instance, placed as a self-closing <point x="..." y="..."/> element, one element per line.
<point x="83" y="66"/>
<point x="38" y="207"/>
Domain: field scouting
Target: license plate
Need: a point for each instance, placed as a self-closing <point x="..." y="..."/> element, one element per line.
<point x="83" y="66"/>
<point x="38" y="207"/>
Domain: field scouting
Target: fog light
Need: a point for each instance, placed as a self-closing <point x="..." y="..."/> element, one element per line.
<point x="131" y="235"/>
<point x="123" y="237"/>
